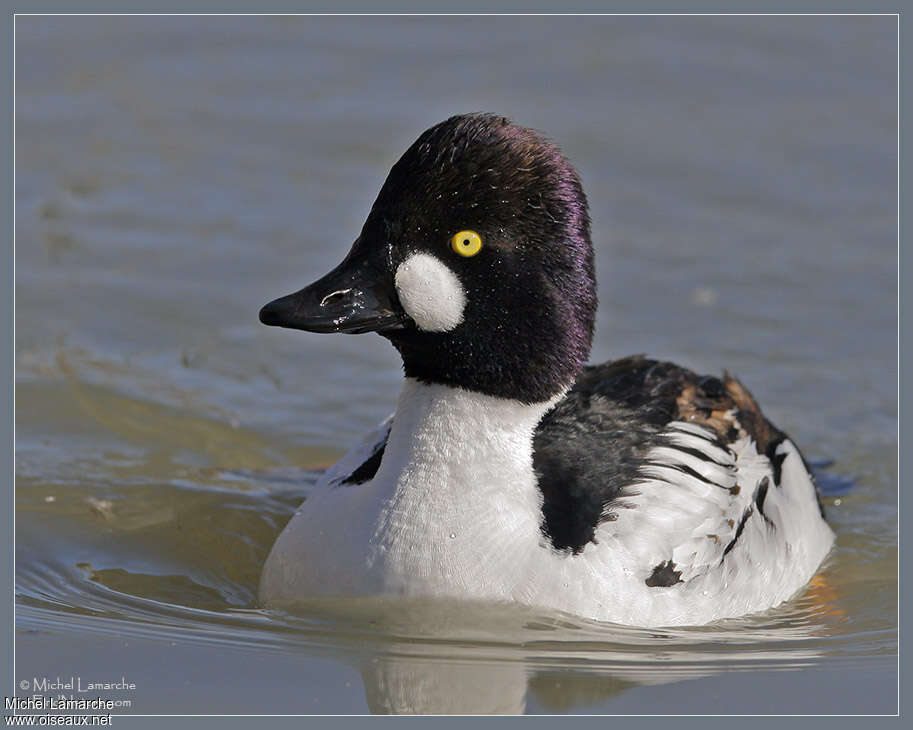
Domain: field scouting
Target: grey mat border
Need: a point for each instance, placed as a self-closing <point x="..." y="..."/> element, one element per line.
<point x="6" y="357"/>
<point x="453" y="7"/>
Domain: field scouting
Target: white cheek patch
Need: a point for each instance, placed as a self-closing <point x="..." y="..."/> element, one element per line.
<point x="430" y="293"/>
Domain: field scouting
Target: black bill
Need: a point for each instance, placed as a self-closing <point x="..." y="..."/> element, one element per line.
<point x="357" y="296"/>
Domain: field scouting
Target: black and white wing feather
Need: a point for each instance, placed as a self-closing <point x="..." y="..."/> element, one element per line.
<point x="683" y="471"/>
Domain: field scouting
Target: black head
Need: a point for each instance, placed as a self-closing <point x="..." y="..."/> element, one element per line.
<point x="505" y="308"/>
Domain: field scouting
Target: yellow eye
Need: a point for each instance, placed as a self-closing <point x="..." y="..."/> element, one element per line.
<point x="466" y="243"/>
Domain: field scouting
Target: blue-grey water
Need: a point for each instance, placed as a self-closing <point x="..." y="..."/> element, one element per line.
<point x="174" y="174"/>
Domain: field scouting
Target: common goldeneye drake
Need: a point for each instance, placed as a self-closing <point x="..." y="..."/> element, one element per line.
<point x="634" y="491"/>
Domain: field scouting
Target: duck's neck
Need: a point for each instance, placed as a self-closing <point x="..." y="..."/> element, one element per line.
<point x="458" y="483"/>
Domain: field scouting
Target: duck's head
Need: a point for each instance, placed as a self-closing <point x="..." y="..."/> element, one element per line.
<point x="475" y="262"/>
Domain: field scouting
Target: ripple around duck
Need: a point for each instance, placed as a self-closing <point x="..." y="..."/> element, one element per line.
<point x="193" y="577"/>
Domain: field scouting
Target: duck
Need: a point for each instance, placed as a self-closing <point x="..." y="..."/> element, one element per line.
<point x="634" y="491"/>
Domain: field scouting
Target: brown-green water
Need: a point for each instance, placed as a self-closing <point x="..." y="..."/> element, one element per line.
<point x="174" y="174"/>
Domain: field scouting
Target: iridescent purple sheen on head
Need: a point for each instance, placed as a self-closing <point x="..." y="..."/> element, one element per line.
<point x="531" y="291"/>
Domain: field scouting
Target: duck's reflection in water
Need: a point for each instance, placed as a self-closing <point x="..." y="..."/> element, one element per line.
<point x="432" y="657"/>
<point x="405" y="685"/>
<point x="409" y="685"/>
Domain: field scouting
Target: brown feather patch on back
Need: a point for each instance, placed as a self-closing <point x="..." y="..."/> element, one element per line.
<point x="726" y="407"/>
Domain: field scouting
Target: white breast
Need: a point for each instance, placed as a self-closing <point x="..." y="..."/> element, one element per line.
<point x="453" y="509"/>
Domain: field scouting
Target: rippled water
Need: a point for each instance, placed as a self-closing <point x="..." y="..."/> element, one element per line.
<point x="173" y="174"/>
